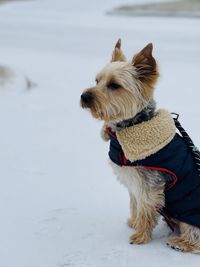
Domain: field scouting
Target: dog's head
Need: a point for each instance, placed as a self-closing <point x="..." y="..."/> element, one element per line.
<point x="122" y="88"/>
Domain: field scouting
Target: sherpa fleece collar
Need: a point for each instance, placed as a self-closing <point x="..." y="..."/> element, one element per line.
<point x="147" y="138"/>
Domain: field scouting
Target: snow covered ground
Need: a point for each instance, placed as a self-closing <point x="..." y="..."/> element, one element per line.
<point x="60" y="203"/>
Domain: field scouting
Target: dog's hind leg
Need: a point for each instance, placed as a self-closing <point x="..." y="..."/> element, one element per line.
<point x="188" y="240"/>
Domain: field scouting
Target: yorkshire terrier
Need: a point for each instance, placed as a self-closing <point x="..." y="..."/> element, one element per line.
<point x="143" y="149"/>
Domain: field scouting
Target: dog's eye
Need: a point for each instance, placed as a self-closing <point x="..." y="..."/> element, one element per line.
<point x="113" y="86"/>
<point x="96" y="81"/>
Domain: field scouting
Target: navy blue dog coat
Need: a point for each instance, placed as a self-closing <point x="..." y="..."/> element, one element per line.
<point x="182" y="195"/>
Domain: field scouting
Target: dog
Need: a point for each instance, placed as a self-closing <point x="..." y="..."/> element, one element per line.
<point x="143" y="149"/>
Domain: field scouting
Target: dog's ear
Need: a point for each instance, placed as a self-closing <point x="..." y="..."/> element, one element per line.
<point x="145" y="63"/>
<point x="117" y="54"/>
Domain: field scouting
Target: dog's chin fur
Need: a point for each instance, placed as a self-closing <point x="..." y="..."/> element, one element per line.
<point x="123" y="96"/>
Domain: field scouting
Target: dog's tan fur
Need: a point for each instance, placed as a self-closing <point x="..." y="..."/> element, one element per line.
<point x="123" y="89"/>
<point x="146" y="198"/>
<point x="136" y="80"/>
<point x="146" y="219"/>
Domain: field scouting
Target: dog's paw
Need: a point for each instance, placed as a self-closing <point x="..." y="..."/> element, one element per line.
<point x="139" y="238"/>
<point x="105" y="136"/>
<point x="131" y="222"/>
<point x="174" y="247"/>
<point x="180" y="245"/>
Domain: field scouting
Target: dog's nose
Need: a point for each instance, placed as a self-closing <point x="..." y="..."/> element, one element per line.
<point x="86" y="98"/>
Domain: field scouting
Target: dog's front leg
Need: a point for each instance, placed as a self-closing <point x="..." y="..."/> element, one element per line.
<point x="147" y="217"/>
<point x="133" y="211"/>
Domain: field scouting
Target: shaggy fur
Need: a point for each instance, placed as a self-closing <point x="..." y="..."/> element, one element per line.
<point x="123" y="99"/>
